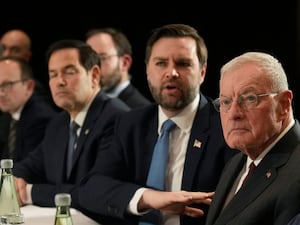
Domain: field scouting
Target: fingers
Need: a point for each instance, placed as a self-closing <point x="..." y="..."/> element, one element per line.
<point x="174" y="203"/>
<point x="21" y="190"/>
<point x="23" y="196"/>
<point x="200" y="197"/>
<point x="193" y="212"/>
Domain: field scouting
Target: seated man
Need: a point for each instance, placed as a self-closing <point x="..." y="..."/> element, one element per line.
<point x="255" y="105"/>
<point x="122" y="186"/>
<point x="115" y="53"/>
<point x="63" y="158"/>
<point x="25" y="116"/>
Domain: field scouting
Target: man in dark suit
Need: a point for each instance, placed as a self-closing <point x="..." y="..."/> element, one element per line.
<point x="19" y="103"/>
<point x="115" y="53"/>
<point x="176" y="59"/>
<point x="257" y="118"/>
<point x="74" y="73"/>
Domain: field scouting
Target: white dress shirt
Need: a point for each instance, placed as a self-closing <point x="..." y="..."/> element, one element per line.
<point x="179" y="138"/>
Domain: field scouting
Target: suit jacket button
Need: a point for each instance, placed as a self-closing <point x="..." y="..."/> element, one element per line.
<point x="112" y="210"/>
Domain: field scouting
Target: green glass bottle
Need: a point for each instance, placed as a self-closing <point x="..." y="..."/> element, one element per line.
<point x="63" y="215"/>
<point x="8" y="197"/>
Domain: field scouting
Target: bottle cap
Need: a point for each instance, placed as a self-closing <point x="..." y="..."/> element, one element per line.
<point x="62" y="199"/>
<point x="6" y="163"/>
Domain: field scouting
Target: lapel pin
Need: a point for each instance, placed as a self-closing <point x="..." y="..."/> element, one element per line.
<point x="86" y="131"/>
<point x="197" y="144"/>
<point x="268" y="174"/>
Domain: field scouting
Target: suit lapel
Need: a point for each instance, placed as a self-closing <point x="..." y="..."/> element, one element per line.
<point x="5" y="119"/>
<point x="224" y="186"/>
<point x="149" y="141"/>
<point x="197" y="141"/>
<point x="256" y="184"/>
<point x="261" y="178"/>
<point x="62" y="143"/>
<point x="93" y="113"/>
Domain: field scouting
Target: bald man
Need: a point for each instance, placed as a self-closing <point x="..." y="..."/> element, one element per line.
<point x="16" y="43"/>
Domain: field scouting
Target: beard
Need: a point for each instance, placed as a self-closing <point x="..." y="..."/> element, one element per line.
<point x="173" y="102"/>
<point x="112" y="80"/>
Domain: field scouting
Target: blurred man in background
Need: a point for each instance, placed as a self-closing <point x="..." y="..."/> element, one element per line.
<point x="115" y="53"/>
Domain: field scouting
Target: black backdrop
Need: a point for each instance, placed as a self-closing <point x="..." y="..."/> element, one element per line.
<point x="228" y="27"/>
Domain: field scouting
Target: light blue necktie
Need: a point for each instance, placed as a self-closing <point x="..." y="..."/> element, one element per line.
<point x="72" y="145"/>
<point x="156" y="175"/>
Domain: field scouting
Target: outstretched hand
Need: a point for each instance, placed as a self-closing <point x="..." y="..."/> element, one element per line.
<point x="175" y="203"/>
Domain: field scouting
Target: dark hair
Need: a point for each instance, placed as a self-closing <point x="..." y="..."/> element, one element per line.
<point x="87" y="56"/>
<point x="177" y="31"/>
<point x="25" y="67"/>
<point x="120" y="40"/>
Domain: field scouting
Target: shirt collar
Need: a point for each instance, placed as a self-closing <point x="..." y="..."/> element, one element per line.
<point x="117" y="90"/>
<point x="263" y="154"/>
<point x="16" y="115"/>
<point x="79" y="119"/>
<point x="184" y="119"/>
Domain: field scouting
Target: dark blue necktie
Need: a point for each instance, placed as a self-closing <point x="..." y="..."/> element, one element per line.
<point x="157" y="171"/>
<point x="72" y="145"/>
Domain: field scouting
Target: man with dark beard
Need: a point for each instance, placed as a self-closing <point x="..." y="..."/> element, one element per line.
<point x="117" y="187"/>
<point x="115" y="53"/>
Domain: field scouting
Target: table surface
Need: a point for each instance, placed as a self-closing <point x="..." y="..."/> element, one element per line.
<point x="35" y="215"/>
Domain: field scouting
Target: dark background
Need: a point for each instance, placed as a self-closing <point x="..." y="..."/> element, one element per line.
<point x="228" y="27"/>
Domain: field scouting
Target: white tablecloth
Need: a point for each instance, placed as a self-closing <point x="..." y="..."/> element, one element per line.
<point x="35" y="215"/>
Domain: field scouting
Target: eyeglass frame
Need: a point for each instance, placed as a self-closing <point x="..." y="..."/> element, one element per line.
<point x="104" y="57"/>
<point x="242" y="101"/>
<point x="8" y="85"/>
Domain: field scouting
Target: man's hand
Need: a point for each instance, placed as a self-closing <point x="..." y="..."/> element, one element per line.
<point x="176" y="203"/>
<point x="21" y="184"/>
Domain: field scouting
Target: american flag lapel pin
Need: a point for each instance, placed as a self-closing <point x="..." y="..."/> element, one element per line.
<point x="197" y="143"/>
<point x="268" y="174"/>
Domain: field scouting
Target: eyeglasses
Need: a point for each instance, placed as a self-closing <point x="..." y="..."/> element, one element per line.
<point x="10" y="49"/>
<point x="247" y="101"/>
<point x="106" y="57"/>
<point x="7" y="86"/>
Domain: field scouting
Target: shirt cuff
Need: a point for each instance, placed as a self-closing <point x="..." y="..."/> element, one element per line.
<point x="28" y="191"/>
<point x="132" y="206"/>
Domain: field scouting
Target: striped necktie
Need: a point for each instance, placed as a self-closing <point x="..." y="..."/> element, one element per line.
<point x="12" y="137"/>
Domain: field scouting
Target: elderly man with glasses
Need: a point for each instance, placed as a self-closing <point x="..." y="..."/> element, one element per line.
<point x="261" y="184"/>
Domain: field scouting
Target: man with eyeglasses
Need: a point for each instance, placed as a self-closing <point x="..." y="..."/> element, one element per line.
<point x="17" y="43"/>
<point x="114" y="51"/>
<point x="255" y="106"/>
<point x="247" y="101"/>
<point x="24" y="116"/>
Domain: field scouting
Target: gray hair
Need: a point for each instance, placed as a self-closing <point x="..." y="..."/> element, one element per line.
<point x="266" y="62"/>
